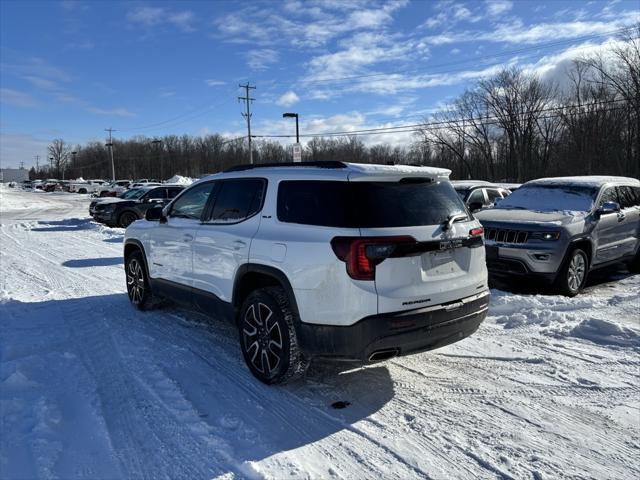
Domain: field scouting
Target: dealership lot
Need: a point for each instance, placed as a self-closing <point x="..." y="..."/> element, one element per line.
<point x="548" y="386"/>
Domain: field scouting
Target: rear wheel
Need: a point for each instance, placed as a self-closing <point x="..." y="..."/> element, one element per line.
<point x="268" y="338"/>
<point x="634" y="265"/>
<point x="82" y="190"/>
<point x="126" y="219"/>
<point x="138" y="287"/>
<point x="573" y="274"/>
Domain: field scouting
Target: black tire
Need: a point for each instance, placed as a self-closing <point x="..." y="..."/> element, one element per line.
<point x="82" y="190"/>
<point x="573" y="273"/>
<point x="634" y="265"/>
<point x="268" y="338"/>
<point x="103" y="194"/>
<point x="126" y="218"/>
<point x="138" y="287"/>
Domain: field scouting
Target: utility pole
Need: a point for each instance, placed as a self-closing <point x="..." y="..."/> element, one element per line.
<point x="37" y="157"/>
<point x="247" y="99"/>
<point x="21" y="165"/>
<point x="110" y="145"/>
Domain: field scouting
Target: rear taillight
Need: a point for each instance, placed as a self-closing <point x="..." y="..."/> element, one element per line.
<point x="362" y="254"/>
<point x="476" y="232"/>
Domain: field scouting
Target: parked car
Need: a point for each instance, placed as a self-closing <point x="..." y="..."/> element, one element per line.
<point x="113" y="189"/>
<point x="37" y="184"/>
<point x="322" y="259"/>
<point x="26" y="184"/>
<point x="479" y="194"/>
<point x="139" y="184"/>
<point x="559" y="229"/>
<point x="88" y="186"/>
<point x="52" y="185"/>
<point x="131" y="206"/>
<point x="512" y="187"/>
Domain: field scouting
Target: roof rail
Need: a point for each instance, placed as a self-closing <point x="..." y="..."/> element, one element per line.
<point x="323" y="164"/>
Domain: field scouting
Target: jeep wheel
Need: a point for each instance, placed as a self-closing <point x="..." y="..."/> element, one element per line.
<point x="126" y="219"/>
<point x="634" y="265"/>
<point x="573" y="274"/>
<point x="268" y="337"/>
<point x="138" y="287"/>
<point x="82" y="190"/>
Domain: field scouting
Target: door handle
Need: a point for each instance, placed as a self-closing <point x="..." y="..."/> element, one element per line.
<point x="187" y="237"/>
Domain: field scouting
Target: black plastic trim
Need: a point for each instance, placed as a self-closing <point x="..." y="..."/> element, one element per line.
<point x="405" y="332"/>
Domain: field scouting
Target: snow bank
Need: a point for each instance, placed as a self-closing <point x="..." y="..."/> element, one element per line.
<point x="180" y="180"/>
<point x="604" y="332"/>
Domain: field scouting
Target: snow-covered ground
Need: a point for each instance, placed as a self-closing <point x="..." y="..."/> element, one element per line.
<point x="90" y="388"/>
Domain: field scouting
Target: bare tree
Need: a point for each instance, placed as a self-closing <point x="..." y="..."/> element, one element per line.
<point x="59" y="153"/>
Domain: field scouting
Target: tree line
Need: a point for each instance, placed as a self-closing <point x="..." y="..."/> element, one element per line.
<point x="512" y="126"/>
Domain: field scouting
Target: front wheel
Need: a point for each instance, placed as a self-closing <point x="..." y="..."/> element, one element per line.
<point x="573" y="274"/>
<point x="126" y="219"/>
<point x="268" y="338"/>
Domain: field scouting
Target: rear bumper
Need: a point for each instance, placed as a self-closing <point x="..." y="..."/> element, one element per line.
<point x="398" y="333"/>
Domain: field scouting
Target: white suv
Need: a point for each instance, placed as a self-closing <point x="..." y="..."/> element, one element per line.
<point x="320" y="259"/>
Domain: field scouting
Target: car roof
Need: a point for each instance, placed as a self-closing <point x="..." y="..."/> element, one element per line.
<point x="468" y="184"/>
<point x="330" y="171"/>
<point x="585" y="181"/>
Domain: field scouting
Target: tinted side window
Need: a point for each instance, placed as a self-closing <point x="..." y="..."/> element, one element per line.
<point x="238" y="199"/>
<point x="493" y="194"/>
<point x="192" y="202"/>
<point x="609" y="195"/>
<point x="156" y="193"/>
<point x="476" y="196"/>
<point x="636" y="193"/>
<point x="627" y="197"/>
<point x="173" y="192"/>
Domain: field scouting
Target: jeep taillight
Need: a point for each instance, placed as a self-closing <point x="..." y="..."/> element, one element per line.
<point x="362" y="254"/>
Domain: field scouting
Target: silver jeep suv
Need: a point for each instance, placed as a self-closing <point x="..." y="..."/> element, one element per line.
<point x="561" y="228"/>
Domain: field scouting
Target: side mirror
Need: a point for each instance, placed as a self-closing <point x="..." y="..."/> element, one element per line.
<point x="154" y="214"/>
<point x="609" y="207"/>
<point x="475" y="206"/>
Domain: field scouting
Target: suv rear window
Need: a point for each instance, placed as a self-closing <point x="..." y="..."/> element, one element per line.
<point x="367" y="204"/>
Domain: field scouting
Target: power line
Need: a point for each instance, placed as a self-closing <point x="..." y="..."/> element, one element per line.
<point x="444" y="123"/>
<point x="247" y="100"/>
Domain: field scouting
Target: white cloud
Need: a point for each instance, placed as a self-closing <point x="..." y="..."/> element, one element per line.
<point x="155" y="16"/>
<point x="262" y="58"/>
<point x="498" y="7"/>
<point x="311" y="25"/>
<point x="114" y="112"/>
<point x="288" y="99"/>
<point x="213" y="82"/>
<point x="17" y="98"/>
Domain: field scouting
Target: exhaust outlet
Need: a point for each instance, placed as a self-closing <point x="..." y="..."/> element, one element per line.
<point x="380" y="355"/>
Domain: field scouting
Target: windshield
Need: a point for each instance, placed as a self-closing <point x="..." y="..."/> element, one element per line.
<point x="367" y="204"/>
<point x="134" y="193"/>
<point x="551" y="198"/>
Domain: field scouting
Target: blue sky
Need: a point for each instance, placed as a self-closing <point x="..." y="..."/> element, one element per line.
<point x="70" y="69"/>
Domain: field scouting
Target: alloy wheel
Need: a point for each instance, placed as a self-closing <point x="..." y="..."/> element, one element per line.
<point x="135" y="281"/>
<point x="262" y="338"/>
<point x="576" y="272"/>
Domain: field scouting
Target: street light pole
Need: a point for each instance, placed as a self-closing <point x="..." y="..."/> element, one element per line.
<point x="293" y="115"/>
